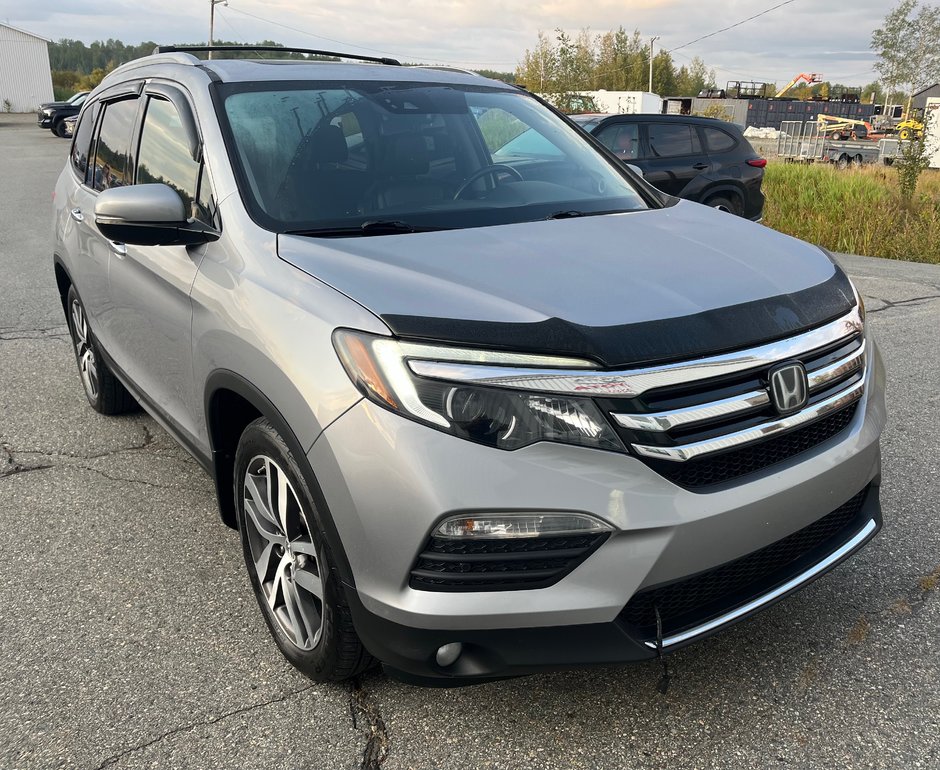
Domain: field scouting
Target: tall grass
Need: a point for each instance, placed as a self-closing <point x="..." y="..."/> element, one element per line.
<point x="856" y="210"/>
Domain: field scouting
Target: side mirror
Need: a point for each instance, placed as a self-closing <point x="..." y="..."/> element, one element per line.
<point x="148" y="215"/>
<point x="635" y="169"/>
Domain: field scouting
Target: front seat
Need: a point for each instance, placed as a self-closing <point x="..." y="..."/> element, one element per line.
<point x="316" y="186"/>
<point x="402" y="175"/>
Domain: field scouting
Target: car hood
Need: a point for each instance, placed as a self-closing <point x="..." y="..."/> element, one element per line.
<point x="57" y="105"/>
<point x="644" y="286"/>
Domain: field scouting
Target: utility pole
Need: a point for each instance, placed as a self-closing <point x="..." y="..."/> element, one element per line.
<point x="212" y="5"/>
<point x="652" y="40"/>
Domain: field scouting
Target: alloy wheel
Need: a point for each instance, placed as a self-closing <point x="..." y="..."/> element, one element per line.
<point x="87" y="363"/>
<point x="285" y="558"/>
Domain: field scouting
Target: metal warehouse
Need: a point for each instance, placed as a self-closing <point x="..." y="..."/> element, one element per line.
<point x="25" y="77"/>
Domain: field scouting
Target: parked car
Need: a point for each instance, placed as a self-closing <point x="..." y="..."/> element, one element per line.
<point x="700" y="159"/>
<point x="475" y="411"/>
<point x="52" y="114"/>
<point x="69" y="123"/>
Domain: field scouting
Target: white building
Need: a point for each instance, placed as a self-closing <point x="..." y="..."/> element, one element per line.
<point x="25" y="77"/>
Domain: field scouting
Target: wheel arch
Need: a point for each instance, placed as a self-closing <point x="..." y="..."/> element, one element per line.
<point x="231" y="403"/>
<point x="63" y="280"/>
<point x="723" y="189"/>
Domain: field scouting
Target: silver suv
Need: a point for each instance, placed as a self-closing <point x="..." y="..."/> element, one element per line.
<point x="478" y="407"/>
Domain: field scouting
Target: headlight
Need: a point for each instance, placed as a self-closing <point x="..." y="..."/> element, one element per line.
<point x="499" y="418"/>
<point x="48" y="112"/>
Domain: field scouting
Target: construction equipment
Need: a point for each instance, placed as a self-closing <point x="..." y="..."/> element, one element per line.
<point x="909" y="128"/>
<point x="837" y="128"/>
<point x="808" y="78"/>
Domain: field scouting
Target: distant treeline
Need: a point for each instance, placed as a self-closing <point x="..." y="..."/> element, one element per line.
<point x="77" y="66"/>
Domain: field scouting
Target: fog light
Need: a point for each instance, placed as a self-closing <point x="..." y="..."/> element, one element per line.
<point x="448" y="653"/>
<point x="516" y="525"/>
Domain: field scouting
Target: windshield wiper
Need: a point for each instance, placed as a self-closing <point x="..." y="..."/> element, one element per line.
<point x="369" y="227"/>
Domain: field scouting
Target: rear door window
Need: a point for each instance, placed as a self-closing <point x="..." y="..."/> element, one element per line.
<point x="672" y="140"/>
<point x="718" y="140"/>
<point x="111" y="168"/>
<point x="622" y="139"/>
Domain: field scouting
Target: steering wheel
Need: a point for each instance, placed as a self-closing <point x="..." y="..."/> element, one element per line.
<point x="495" y="169"/>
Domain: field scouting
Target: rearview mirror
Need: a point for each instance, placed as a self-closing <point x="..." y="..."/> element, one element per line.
<point x="148" y="215"/>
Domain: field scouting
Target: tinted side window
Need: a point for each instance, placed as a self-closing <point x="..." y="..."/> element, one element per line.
<point x="668" y="140"/>
<point x="622" y="139"/>
<point x="114" y="144"/>
<point x="718" y="140"/>
<point x="81" y="147"/>
<point x="164" y="155"/>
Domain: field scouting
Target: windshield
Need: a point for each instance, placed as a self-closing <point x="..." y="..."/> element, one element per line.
<point x="78" y="98"/>
<point x="383" y="157"/>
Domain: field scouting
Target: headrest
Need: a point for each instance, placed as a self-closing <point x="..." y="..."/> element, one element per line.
<point x="405" y="154"/>
<point x="327" y="145"/>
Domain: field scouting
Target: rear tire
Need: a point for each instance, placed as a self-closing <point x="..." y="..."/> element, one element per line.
<point x="725" y="203"/>
<point x="905" y="134"/>
<point x="843" y="162"/>
<point x="103" y="390"/>
<point x="288" y="560"/>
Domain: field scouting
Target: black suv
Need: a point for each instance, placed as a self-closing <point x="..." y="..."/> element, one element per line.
<point x="700" y="159"/>
<point x="52" y="115"/>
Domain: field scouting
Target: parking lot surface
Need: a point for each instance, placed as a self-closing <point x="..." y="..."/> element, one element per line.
<point x="129" y="637"/>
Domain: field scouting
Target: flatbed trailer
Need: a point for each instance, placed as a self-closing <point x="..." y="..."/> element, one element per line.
<point x="802" y="142"/>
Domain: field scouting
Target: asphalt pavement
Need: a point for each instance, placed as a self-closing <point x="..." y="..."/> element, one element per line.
<point x="129" y="637"/>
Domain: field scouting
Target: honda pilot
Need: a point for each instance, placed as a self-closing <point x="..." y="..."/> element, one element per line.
<point x="474" y="412"/>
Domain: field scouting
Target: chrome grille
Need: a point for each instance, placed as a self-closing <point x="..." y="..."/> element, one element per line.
<point x="721" y="421"/>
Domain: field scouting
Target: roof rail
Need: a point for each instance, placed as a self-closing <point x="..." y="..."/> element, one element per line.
<point x="273" y="49"/>
<point x="445" y="68"/>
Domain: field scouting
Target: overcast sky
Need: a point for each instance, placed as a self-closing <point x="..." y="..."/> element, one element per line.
<point x="804" y="36"/>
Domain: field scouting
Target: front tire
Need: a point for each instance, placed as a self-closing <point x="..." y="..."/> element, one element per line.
<point x="103" y="390"/>
<point x="59" y="129"/>
<point x="288" y="560"/>
<point x="725" y="203"/>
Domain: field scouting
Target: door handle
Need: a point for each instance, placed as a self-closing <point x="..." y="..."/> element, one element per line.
<point x="77" y="215"/>
<point x="700" y="166"/>
<point x="119" y="249"/>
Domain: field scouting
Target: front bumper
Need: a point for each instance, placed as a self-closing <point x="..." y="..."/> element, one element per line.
<point x="388" y="481"/>
<point x="44" y="121"/>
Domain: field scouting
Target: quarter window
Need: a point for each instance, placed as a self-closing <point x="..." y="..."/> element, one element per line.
<point x="164" y="155"/>
<point x="669" y="140"/>
<point x="114" y="143"/>
<point x="718" y="140"/>
<point x="81" y="147"/>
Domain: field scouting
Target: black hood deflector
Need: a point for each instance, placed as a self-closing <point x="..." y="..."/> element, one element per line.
<point x="707" y="333"/>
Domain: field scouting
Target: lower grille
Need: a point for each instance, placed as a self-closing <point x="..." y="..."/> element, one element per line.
<point x="715" y="469"/>
<point x="500" y="564"/>
<point x="697" y="599"/>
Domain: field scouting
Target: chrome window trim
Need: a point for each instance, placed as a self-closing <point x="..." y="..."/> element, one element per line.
<point x="791" y="585"/>
<point x="633" y="382"/>
<point x="765" y="430"/>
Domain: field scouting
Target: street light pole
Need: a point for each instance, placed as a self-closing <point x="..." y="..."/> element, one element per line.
<point x="652" y="40"/>
<point x="212" y="5"/>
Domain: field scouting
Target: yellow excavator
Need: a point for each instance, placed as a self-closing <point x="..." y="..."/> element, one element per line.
<point x="803" y="77"/>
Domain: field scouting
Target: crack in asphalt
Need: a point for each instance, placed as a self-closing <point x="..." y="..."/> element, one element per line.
<point x="12" y="333"/>
<point x="11" y="466"/>
<point x="890" y="305"/>
<point x="377" y="740"/>
<point x="204" y="723"/>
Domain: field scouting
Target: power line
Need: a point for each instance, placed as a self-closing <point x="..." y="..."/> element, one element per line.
<point x="732" y="26"/>
<point x="357" y="45"/>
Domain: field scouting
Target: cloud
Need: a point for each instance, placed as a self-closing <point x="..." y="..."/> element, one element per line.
<point x="807" y="35"/>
